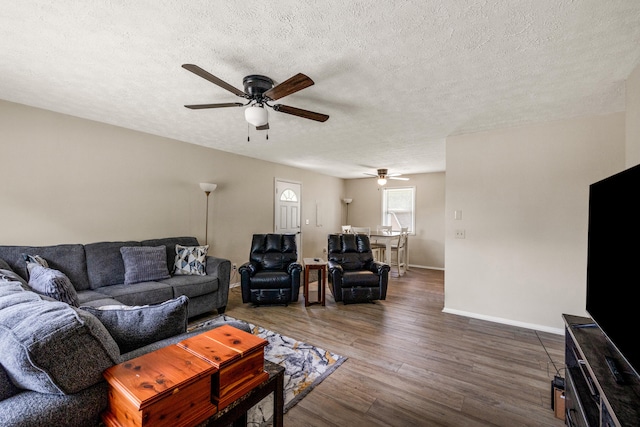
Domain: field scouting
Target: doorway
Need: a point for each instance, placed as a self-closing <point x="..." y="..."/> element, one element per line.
<point x="287" y="209"/>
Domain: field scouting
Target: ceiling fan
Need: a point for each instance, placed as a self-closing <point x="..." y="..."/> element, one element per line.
<point x="259" y="91"/>
<point x="383" y="175"/>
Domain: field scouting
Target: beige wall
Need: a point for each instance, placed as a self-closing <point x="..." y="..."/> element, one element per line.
<point x="633" y="118"/>
<point x="524" y="196"/>
<point x="426" y="246"/>
<point x="70" y="180"/>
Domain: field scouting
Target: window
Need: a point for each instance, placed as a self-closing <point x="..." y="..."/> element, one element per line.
<point x="288" y="195"/>
<point x="398" y="207"/>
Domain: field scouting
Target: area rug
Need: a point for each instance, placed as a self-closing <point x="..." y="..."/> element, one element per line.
<point x="305" y="366"/>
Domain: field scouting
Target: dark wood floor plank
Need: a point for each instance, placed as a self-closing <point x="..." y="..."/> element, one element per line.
<point x="410" y="364"/>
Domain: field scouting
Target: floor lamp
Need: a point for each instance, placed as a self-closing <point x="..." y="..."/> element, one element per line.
<point x="207" y="188"/>
<point x="346" y="202"/>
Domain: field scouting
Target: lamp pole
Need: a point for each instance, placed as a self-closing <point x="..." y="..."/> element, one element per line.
<point x="207" y="188"/>
<point x="346" y="202"/>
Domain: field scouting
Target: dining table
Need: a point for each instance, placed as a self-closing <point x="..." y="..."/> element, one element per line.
<point x="388" y="239"/>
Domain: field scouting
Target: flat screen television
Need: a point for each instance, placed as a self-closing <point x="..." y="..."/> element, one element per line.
<point x="613" y="261"/>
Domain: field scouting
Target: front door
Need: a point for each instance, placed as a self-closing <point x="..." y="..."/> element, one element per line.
<point x="287" y="209"/>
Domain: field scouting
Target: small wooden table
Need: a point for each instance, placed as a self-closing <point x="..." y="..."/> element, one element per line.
<point x="320" y="265"/>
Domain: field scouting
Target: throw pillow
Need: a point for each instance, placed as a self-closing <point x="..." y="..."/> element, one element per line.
<point x="11" y="276"/>
<point x="51" y="347"/>
<point x="52" y="283"/>
<point x="35" y="259"/>
<point x="144" y="263"/>
<point x="190" y="260"/>
<point x="136" y="326"/>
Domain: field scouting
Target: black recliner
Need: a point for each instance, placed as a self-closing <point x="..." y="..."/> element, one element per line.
<point x="354" y="276"/>
<point x="272" y="275"/>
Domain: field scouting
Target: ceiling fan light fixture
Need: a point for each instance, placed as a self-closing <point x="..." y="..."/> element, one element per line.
<point x="382" y="180"/>
<point x="257" y="116"/>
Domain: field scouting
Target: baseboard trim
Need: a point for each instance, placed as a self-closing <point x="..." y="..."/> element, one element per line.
<point x="557" y="331"/>
<point x="426" y="267"/>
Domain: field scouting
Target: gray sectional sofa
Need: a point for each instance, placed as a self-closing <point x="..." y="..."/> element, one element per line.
<point x="52" y="354"/>
<point x="97" y="272"/>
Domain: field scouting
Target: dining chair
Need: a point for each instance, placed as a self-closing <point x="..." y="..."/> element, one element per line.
<point x="379" y="248"/>
<point x="361" y="230"/>
<point x="399" y="252"/>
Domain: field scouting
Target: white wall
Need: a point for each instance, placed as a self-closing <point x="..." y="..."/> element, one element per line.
<point x="70" y="180"/>
<point x="523" y="193"/>
<point x="633" y="118"/>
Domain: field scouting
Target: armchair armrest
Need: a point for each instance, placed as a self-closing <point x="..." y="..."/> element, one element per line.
<point x="293" y="267"/>
<point x="248" y="267"/>
<point x="379" y="267"/>
<point x="333" y="266"/>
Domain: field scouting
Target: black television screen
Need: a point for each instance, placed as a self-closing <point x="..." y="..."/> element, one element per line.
<point x="613" y="261"/>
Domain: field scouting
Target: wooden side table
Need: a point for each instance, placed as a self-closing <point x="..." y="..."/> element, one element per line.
<point x="321" y="266"/>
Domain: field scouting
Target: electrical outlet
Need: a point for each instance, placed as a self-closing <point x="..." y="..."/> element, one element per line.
<point x="234" y="266"/>
<point x="459" y="234"/>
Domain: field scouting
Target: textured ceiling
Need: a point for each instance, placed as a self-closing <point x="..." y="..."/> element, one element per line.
<point x="396" y="77"/>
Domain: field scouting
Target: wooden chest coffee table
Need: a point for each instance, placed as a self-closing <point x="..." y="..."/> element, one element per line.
<point x="186" y="383"/>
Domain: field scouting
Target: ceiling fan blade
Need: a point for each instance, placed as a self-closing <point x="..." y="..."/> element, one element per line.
<point x="292" y="85"/>
<point x="213" y="79"/>
<point x="397" y="178"/>
<point x="301" y="113"/>
<point x="263" y="127"/>
<point x="226" y="104"/>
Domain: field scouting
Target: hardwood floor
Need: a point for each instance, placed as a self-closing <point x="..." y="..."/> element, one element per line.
<point x="410" y="364"/>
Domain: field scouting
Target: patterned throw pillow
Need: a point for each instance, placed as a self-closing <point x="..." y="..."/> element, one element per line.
<point x="52" y="283"/>
<point x="34" y="259"/>
<point x="144" y="263"/>
<point x="190" y="260"/>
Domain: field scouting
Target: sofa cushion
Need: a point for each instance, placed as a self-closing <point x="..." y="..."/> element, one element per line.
<point x="52" y="283"/>
<point x="139" y="293"/>
<point x="105" y="266"/>
<point x="33" y="409"/>
<point x="192" y="286"/>
<point x="7" y="388"/>
<point x="4" y="265"/>
<point x="136" y="326"/>
<point x="95" y="299"/>
<point x="50" y="346"/>
<point x="190" y="260"/>
<point x="69" y="259"/>
<point x="144" y="264"/>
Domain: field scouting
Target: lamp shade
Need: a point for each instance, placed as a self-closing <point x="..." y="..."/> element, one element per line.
<point x="347" y="201"/>
<point x="257" y="116"/>
<point x="207" y="187"/>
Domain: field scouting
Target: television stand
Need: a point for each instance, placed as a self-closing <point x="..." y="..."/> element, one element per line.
<point x="593" y="397"/>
